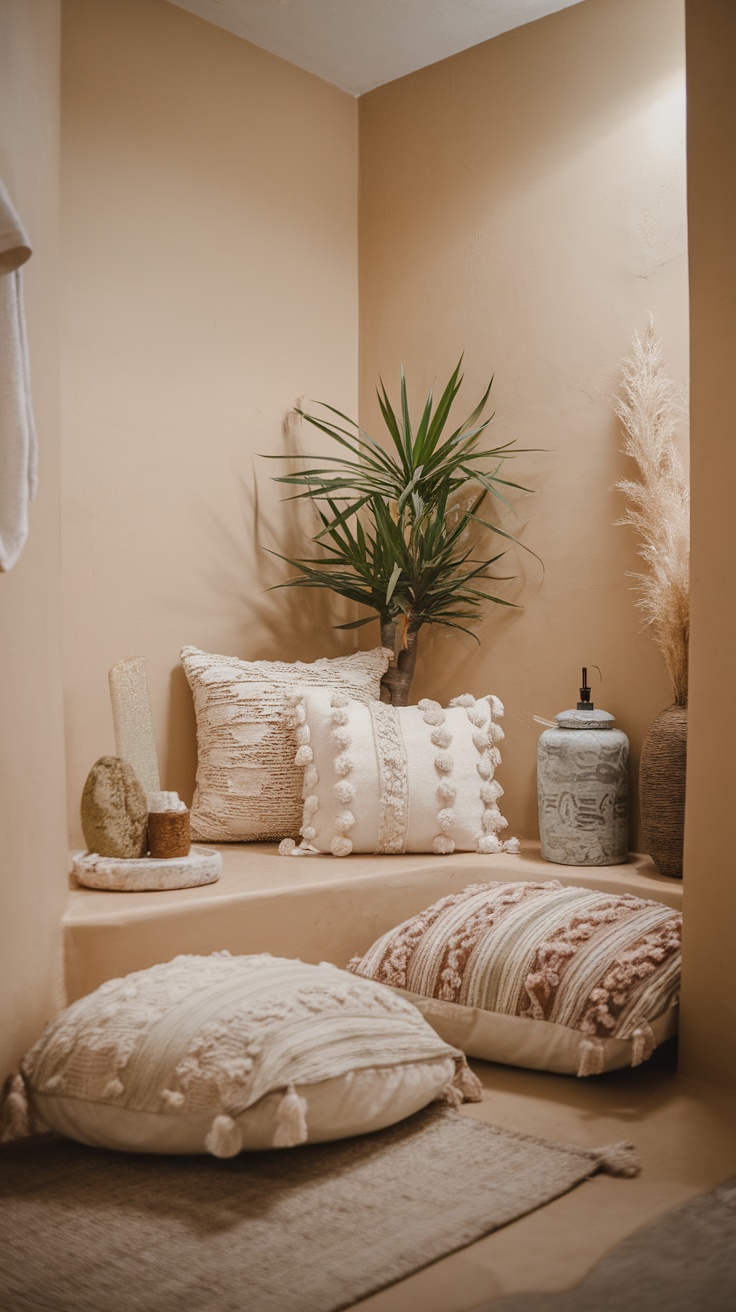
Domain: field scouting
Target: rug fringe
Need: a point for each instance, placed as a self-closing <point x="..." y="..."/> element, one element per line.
<point x="617" y="1159"/>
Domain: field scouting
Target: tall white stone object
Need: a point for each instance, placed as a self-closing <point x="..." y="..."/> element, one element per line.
<point x="133" y="721"/>
<point x="583" y="788"/>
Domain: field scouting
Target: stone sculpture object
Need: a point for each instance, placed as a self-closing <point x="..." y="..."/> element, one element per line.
<point x="114" y="810"/>
<point x="133" y="721"/>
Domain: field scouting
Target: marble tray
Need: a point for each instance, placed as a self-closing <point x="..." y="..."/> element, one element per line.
<point x="201" y="866"/>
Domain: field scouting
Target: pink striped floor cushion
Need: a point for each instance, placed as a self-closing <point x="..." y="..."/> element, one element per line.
<point x="539" y="975"/>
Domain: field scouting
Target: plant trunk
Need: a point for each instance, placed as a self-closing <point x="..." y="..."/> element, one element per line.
<point x="662" y="789"/>
<point x="396" y="682"/>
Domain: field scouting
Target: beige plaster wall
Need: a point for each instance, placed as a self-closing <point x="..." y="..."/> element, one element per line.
<point x="33" y="884"/>
<point x="524" y="202"/>
<point x="708" y="1047"/>
<point x="209" y="236"/>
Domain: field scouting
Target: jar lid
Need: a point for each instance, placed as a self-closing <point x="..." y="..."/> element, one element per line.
<point x="585" y="719"/>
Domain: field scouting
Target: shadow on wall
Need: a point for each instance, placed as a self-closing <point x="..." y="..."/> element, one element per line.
<point x="291" y="623"/>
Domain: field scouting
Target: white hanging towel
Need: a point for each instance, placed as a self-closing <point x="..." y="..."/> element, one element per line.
<point x="18" y="451"/>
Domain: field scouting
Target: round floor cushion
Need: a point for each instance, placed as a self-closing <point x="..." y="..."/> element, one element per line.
<point x="221" y="1053"/>
<point x="538" y="974"/>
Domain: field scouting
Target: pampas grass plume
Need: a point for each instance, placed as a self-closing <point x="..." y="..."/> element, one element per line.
<point x="650" y="406"/>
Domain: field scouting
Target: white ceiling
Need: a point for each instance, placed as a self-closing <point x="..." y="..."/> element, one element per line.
<point x="360" y="44"/>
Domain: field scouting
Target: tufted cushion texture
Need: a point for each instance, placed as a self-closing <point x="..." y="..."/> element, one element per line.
<point x="222" y="1053"/>
<point x="248" y="788"/>
<point x="539" y="975"/>
<point x="391" y="779"/>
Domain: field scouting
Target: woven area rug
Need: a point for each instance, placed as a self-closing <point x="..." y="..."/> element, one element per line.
<point x="685" y="1261"/>
<point x="313" y="1229"/>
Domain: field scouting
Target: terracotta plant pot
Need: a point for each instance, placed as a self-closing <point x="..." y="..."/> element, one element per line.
<point x="662" y="789"/>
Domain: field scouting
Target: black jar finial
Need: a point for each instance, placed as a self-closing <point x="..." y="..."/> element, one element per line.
<point x="585" y="704"/>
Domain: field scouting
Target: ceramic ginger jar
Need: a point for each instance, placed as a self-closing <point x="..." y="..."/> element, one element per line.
<point x="583" y="790"/>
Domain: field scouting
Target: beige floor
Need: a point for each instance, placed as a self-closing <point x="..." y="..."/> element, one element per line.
<point x="321" y="909"/>
<point x="686" y="1138"/>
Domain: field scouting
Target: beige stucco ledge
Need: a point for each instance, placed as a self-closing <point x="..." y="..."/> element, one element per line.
<point x="318" y="908"/>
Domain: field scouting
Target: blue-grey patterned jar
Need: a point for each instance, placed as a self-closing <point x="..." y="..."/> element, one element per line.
<point x="583" y="790"/>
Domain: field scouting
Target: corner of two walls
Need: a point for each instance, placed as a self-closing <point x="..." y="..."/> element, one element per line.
<point x="525" y="203"/>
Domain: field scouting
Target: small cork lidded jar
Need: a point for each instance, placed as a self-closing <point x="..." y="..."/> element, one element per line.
<point x="168" y="826"/>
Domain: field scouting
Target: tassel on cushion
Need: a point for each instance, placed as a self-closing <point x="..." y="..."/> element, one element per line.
<point x="442" y="845"/>
<point x="451" y="1096"/>
<point x="344" y="821"/>
<point x="291" y="1120"/>
<point x="344" y="791"/>
<point x="15" y="1122"/>
<point x="466" y="1082"/>
<point x="341" y="846"/>
<point x="441" y="737"/>
<point x="642" y="1044"/>
<point x="590" y="1057"/>
<point x="224" y="1138"/>
<point x="491" y="791"/>
<point x="287" y="847"/>
<point x="477" y="717"/>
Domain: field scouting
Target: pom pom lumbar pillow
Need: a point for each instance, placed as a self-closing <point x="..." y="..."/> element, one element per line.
<point x="216" y="1054"/>
<point x="391" y="779"/>
<point x="248" y="788"/>
<point x="539" y="975"/>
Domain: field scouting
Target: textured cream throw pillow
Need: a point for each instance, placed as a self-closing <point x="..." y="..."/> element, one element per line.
<point x="248" y="788"/>
<point x="217" y="1054"/>
<point x="390" y="779"/>
<point x="536" y="974"/>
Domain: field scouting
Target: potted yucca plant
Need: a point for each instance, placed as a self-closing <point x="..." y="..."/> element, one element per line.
<point x="401" y="523"/>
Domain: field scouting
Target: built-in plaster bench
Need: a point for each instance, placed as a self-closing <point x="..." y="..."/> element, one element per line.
<point x="318" y="908"/>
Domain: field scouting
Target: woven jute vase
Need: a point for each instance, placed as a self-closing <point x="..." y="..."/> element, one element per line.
<point x="662" y="789"/>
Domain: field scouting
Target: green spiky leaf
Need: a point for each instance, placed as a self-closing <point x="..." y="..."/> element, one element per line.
<point x="400" y="528"/>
